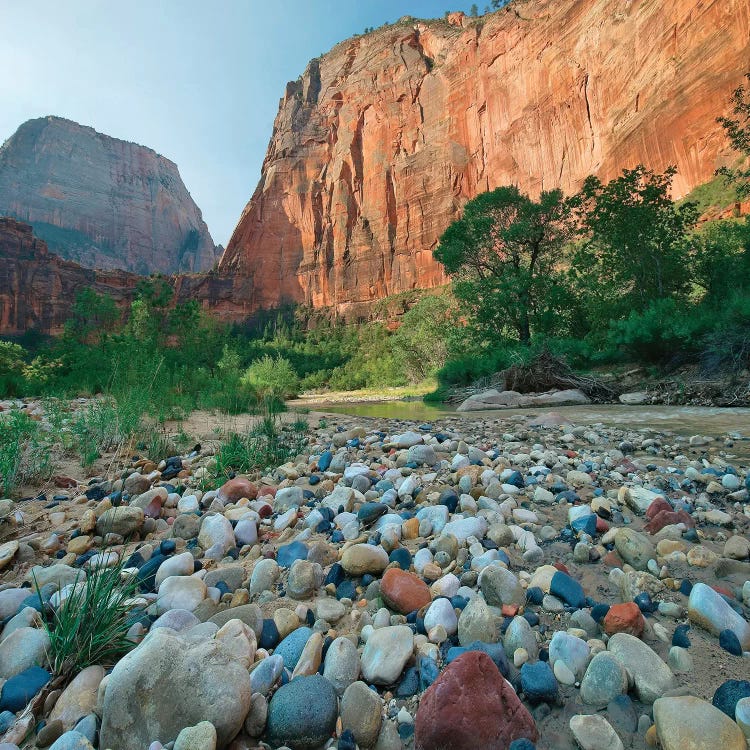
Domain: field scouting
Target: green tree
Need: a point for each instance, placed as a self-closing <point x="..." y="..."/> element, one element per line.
<point x="420" y="343"/>
<point x="505" y="256"/>
<point x="635" y="246"/>
<point x="721" y="258"/>
<point x="92" y="315"/>
<point x="474" y="11"/>
<point x="738" y="131"/>
<point x="12" y="364"/>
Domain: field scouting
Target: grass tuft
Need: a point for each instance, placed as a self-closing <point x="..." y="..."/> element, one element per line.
<point x="91" y="624"/>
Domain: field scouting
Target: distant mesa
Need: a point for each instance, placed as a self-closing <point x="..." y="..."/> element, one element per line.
<point x="102" y="202"/>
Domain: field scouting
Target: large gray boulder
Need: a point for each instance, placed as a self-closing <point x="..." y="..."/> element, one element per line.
<point x="494" y="399"/>
<point x="167" y="684"/>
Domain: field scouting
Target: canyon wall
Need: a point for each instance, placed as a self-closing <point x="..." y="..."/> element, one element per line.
<point x="379" y="144"/>
<point x="100" y="201"/>
<point x="38" y="288"/>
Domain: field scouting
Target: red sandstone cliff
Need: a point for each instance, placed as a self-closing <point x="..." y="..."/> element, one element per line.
<point x="100" y="201"/>
<point x="38" y="288"/>
<point x="379" y="144"/>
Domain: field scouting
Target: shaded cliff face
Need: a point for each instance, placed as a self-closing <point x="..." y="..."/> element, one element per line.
<point x="38" y="288"/>
<point x="100" y="201"/>
<point x="381" y="142"/>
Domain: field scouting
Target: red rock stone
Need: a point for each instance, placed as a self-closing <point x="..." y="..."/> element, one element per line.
<point x="561" y="567"/>
<point x="237" y="488"/>
<point x="509" y="610"/>
<point x="624" y="618"/>
<point x="657" y="506"/>
<point x="601" y="525"/>
<point x="471" y="706"/>
<point x="668" y="517"/>
<point x="64" y="482"/>
<point x="403" y="591"/>
<point x="612" y="560"/>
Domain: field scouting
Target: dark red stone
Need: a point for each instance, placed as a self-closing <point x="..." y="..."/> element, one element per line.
<point x="471" y="706"/>
<point x="601" y="525"/>
<point x="666" y="518"/>
<point x="657" y="506"/>
<point x="561" y="567"/>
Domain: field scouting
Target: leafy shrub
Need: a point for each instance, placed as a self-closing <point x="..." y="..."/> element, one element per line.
<point x="25" y="452"/>
<point x="271" y="378"/>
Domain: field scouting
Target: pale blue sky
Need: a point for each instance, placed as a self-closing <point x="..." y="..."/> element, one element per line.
<point x="199" y="81"/>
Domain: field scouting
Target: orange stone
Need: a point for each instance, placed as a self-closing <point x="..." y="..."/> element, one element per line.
<point x="624" y="618"/>
<point x="410" y="528"/>
<point x="403" y="591"/>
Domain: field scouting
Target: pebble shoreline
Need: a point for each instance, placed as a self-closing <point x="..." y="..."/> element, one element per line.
<point x="499" y="583"/>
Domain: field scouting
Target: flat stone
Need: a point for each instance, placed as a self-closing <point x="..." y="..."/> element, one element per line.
<point x="342" y="664"/>
<point x="634" y="548"/>
<point x="604" y="680"/>
<point x="689" y="723"/>
<point x="624" y="618"/>
<point x="22" y="649"/>
<point x="477" y="623"/>
<point x="123" y="520"/>
<point x="200" y="737"/>
<point x="593" y="732"/>
<point x="7" y="552"/>
<point x="79" y="698"/>
<point x="385" y="654"/>
<point x="651" y="675"/>
<point x="500" y="586"/>
<point x="364" y="558"/>
<point x="180" y="592"/>
<point x="361" y="713"/>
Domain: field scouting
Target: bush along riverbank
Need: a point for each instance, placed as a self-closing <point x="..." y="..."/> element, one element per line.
<point x="500" y="583"/>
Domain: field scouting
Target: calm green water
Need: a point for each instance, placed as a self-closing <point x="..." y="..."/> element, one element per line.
<point x="689" y="420"/>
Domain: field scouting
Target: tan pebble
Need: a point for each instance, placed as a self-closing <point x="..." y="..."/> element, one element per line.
<point x="79" y="544"/>
<point x="310" y="659"/>
<point x="88" y="521"/>
<point x="432" y="572"/>
<point x="239" y="597"/>
<point x="652" y="739"/>
<point x="410" y="528"/>
<point x="102" y="507"/>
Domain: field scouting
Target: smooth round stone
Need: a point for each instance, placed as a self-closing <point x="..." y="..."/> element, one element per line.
<point x="471" y="706"/>
<point x="729" y="693"/>
<point x="563" y="674"/>
<point x="708" y="609"/>
<point x="500" y="586"/>
<point x="567" y="590"/>
<point x="364" y="558"/>
<point x="441" y="612"/>
<point x="538" y="682"/>
<point x="574" y="652"/>
<point x="216" y="531"/>
<point x="477" y="623"/>
<point x="301" y="583"/>
<point x="71" y="741"/>
<point x="246" y="532"/>
<point x="729" y="642"/>
<point x="22" y="649"/>
<point x="634" y="548"/>
<point x="266" y="674"/>
<point x="679" y="659"/>
<point x="264" y="576"/>
<point x="385" y="654"/>
<point x="290" y="649"/>
<point x="255" y="723"/>
<point x="342" y="664"/>
<point x="361" y="713"/>
<point x="520" y="635"/>
<point x="302" y="713"/>
<point x="202" y="736"/>
<point x="688" y="722"/>
<point x="79" y="697"/>
<point x="329" y="609"/>
<point x="403" y="591"/>
<point x="179" y="565"/>
<point x="604" y="680"/>
<point x="651" y="675"/>
<point x="20" y="689"/>
<point x="742" y="715"/>
<point x="180" y="592"/>
<point x="552" y="604"/>
<point x="593" y="732"/>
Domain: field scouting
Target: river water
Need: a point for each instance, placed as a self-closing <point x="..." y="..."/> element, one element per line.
<point x="682" y="420"/>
